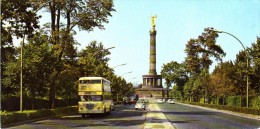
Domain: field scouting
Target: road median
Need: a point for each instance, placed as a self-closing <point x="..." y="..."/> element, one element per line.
<point x="155" y="119"/>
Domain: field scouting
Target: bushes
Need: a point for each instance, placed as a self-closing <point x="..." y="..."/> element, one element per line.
<point x="256" y="102"/>
<point x="12" y="103"/>
<point x="14" y="117"/>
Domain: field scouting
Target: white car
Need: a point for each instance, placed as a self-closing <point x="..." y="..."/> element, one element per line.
<point x="141" y="104"/>
<point x="171" y="101"/>
<point x="159" y="101"/>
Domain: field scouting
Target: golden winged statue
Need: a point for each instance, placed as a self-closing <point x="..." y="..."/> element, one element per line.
<point x="153" y="18"/>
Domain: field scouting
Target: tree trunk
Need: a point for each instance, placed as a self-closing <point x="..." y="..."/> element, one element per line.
<point x="241" y="100"/>
<point x="52" y="77"/>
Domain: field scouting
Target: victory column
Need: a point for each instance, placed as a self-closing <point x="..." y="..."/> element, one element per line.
<point x="152" y="83"/>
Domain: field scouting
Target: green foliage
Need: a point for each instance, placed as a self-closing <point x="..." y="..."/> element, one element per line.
<point x="45" y="62"/>
<point x="21" y="16"/>
<point x="255" y="102"/>
<point x="235" y="101"/>
<point x="240" y="73"/>
<point x="93" y="60"/>
<point x="174" y="93"/>
<point x="37" y="57"/>
<point x="188" y="89"/>
<point x="174" y="72"/>
<point x="222" y="83"/>
<point x="228" y="78"/>
<point x="11" y="103"/>
<point x="10" y="78"/>
<point x="254" y="75"/>
<point x="201" y="49"/>
<point x="199" y="54"/>
<point x="120" y="88"/>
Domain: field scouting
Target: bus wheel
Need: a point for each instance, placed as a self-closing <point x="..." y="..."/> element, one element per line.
<point x="109" y="110"/>
<point x="105" y="111"/>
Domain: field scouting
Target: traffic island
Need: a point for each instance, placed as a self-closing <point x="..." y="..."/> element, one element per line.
<point x="155" y="119"/>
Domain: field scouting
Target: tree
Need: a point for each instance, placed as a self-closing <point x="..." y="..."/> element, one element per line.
<point x="222" y="83"/>
<point x="188" y="89"/>
<point x="67" y="83"/>
<point x="202" y="85"/>
<point x="175" y="93"/>
<point x="93" y="60"/>
<point x="17" y="19"/>
<point x="200" y="50"/>
<point x="174" y="72"/>
<point x="84" y="14"/>
<point x="254" y="53"/>
<point x="36" y="70"/>
<point x="199" y="54"/>
<point x="240" y="74"/>
<point x="128" y="89"/>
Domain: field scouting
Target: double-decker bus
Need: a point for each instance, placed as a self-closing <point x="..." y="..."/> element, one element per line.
<point x="95" y="96"/>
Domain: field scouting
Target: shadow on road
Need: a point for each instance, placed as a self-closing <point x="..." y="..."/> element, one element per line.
<point x="116" y="118"/>
<point x="191" y="113"/>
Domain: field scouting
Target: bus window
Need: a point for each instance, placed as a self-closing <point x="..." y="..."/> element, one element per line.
<point x="91" y="98"/>
<point x="96" y="98"/>
<point x="89" y="81"/>
<point x="84" y="98"/>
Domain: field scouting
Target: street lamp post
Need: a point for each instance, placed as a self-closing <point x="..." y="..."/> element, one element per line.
<point x="132" y="78"/>
<point x="122" y="76"/>
<point x="96" y="52"/>
<point x="21" y="72"/>
<point x="21" y="77"/>
<point x="247" y="61"/>
<point x="126" y="73"/>
<point x="119" y="65"/>
<point x="114" y="68"/>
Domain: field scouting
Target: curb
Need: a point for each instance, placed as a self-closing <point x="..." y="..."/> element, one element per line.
<point x="32" y="120"/>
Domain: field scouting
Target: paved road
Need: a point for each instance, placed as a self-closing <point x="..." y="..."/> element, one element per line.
<point x="123" y="117"/>
<point x="186" y="117"/>
<point x="126" y="117"/>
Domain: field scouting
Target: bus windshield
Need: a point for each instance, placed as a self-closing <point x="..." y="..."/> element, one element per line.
<point x="91" y="98"/>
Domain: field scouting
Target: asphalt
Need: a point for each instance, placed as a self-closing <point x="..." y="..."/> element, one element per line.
<point x="250" y="116"/>
<point x="155" y="119"/>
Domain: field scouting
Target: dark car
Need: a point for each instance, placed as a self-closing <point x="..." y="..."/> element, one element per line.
<point x="126" y="100"/>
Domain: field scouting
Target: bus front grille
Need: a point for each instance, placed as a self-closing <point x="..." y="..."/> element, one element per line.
<point x="90" y="106"/>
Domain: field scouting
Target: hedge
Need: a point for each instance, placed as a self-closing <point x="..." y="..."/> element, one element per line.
<point x="12" y="103"/>
<point x="8" y="118"/>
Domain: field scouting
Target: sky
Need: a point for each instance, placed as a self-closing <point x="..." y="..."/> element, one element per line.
<point x="177" y="22"/>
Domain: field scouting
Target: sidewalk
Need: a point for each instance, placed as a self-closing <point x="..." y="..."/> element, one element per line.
<point x="155" y="119"/>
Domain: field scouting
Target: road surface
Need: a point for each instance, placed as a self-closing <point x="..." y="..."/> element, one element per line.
<point x="126" y="117"/>
<point x="123" y="117"/>
<point x="189" y="117"/>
